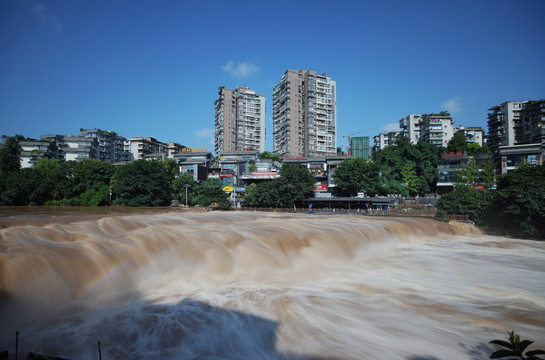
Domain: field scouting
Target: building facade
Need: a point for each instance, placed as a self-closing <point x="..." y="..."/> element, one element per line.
<point x="141" y="146"/>
<point x="533" y="123"/>
<point x="504" y="125"/>
<point x="111" y="145"/>
<point x="516" y="133"/>
<point x="239" y="121"/>
<point x="32" y="151"/>
<point x="360" y="147"/>
<point x="304" y="115"/>
<point x="73" y="148"/>
<point x="58" y="140"/>
<point x="79" y="148"/>
<point x="437" y="129"/>
<point x="384" y="139"/>
<point x="472" y="134"/>
<point x="411" y="126"/>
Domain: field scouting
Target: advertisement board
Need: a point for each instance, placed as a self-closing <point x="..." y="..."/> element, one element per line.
<point x="320" y="187"/>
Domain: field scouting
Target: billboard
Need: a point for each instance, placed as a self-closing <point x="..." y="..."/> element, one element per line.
<point x="320" y="187"/>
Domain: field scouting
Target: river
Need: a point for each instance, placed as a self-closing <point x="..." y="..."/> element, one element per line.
<point x="178" y="284"/>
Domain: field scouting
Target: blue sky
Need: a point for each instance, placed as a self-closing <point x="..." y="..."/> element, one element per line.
<point x="152" y="68"/>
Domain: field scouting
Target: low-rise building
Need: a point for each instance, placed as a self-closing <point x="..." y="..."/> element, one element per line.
<point x="195" y="163"/>
<point x="78" y="148"/>
<point x="111" y="145"/>
<point x="58" y="140"/>
<point x="323" y="169"/>
<point x="384" y="139"/>
<point x="472" y="134"/>
<point x="512" y="156"/>
<point x="32" y="151"/>
<point x="141" y="146"/>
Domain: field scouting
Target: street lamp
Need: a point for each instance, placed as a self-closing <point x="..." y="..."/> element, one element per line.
<point x="186" y="185"/>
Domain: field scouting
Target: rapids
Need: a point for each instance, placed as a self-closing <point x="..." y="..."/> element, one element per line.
<point x="236" y="285"/>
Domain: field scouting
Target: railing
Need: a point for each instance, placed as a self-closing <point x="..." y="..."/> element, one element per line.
<point x="464" y="217"/>
<point x="427" y="212"/>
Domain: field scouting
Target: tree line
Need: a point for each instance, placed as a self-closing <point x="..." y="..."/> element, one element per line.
<point x="514" y="202"/>
<point x="96" y="183"/>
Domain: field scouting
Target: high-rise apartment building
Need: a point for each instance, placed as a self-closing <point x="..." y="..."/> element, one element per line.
<point x="437" y="129"/>
<point x="411" y="126"/>
<point x="503" y="124"/>
<point x="516" y="133"/>
<point x="239" y="120"/>
<point x="304" y="114"/>
<point x="533" y="122"/>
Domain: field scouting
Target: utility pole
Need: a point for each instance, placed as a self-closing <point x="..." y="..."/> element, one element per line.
<point x="16" y="344"/>
<point x="186" y="185"/>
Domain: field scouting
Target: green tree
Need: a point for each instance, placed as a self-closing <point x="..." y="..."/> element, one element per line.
<point x="86" y="183"/>
<point x="474" y="148"/>
<point x="265" y="155"/>
<point x="179" y="187"/>
<point x="464" y="200"/>
<point x="209" y="192"/>
<point x="427" y="157"/>
<point x="409" y="178"/>
<point x="171" y="167"/>
<point x="95" y="195"/>
<point x="488" y="173"/>
<point x="473" y="172"/>
<point x="49" y="171"/>
<point x="458" y="142"/>
<point x="357" y="175"/>
<point x="518" y="204"/>
<point x="250" y="198"/>
<point x="294" y="185"/>
<point x="423" y="156"/>
<point x="468" y="173"/>
<point x="23" y="187"/>
<point x="267" y="194"/>
<point x="142" y="183"/>
<point x="10" y="154"/>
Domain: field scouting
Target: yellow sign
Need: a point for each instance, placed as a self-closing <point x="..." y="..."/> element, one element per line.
<point x="195" y="149"/>
<point x="228" y="188"/>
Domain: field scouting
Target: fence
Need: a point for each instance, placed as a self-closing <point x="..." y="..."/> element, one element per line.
<point x="427" y="212"/>
<point x="464" y="217"/>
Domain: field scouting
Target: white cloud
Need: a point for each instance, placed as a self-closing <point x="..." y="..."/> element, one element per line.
<point x="240" y="70"/>
<point x="390" y="127"/>
<point x="48" y="19"/>
<point x="204" y="133"/>
<point x="452" y="105"/>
